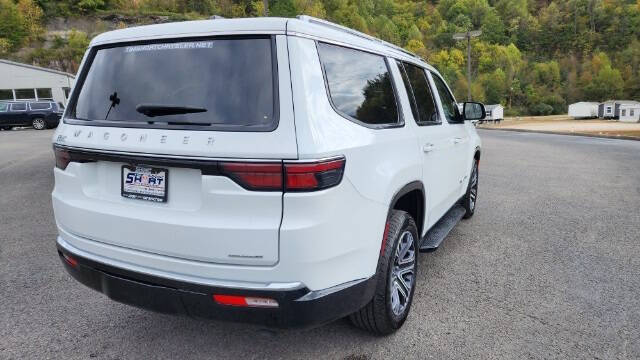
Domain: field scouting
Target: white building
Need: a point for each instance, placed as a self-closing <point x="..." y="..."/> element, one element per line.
<point x="494" y="112"/>
<point x="611" y="109"/>
<point x="27" y="82"/>
<point x="630" y="112"/>
<point x="583" y="110"/>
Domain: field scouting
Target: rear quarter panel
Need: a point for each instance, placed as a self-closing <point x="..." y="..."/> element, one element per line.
<point x="379" y="162"/>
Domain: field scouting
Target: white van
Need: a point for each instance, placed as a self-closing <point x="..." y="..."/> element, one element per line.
<point x="279" y="171"/>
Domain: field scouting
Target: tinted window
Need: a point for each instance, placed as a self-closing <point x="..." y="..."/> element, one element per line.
<point x="3" y="107"/>
<point x="359" y="84"/>
<point x="25" y="94"/>
<point x="39" y="106"/>
<point x="44" y="94"/>
<point x="232" y="79"/>
<point x="19" y="107"/>
<point x="6" y="95"/>
<point x="449" y="104"/>
<point x="416" y="83"/>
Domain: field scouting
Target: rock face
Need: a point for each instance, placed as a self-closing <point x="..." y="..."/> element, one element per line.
<point x="93" y="25"/>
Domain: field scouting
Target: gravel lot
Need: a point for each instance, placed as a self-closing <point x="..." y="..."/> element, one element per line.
<point x="549" y="267"/>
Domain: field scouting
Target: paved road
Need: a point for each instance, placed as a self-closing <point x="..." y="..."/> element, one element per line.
<point x="548" y="268"/>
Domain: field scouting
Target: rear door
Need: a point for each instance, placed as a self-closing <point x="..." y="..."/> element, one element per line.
<point x="18" y="114"/>
<point x="434" y="142"/>
<point x="212" y="115"/>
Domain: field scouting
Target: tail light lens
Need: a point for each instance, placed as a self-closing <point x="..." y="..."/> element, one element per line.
<point x="313" y="176"/>
<point x="245" y="301"/>
<point x="307" y="176"/>
<point x="255" y="176"/>
<point x="69" y="259"/>
<point x="62" y="157"/>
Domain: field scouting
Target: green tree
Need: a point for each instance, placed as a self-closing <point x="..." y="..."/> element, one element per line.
<point x="13" y="32"/>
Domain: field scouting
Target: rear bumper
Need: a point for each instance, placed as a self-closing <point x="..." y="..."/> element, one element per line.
<point x="296" y="308"/>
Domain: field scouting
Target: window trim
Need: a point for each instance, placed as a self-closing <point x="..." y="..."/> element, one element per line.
<point x="426" y="78"/>
<point x="454" y="122"/>
<point x="70" y="115"/>
<point x="17" y="103"/>
<point x="40" y="102"/>
<point x="399" y="124"/>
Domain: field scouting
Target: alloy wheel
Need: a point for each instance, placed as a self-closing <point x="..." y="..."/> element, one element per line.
<point x="473" y="191"/>
<point x="403" y="273"/>
<point x="38" y="124"/>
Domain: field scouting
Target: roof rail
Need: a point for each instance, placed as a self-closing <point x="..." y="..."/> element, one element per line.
<point x="313" y="20"/>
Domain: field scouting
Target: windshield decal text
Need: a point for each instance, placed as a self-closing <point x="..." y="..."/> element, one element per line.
<point x="170" y="46"/>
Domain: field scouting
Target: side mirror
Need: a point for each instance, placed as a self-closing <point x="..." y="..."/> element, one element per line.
<point x="473" y="111"/>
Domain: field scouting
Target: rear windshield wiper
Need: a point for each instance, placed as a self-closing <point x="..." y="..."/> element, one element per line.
<point x="152" y="110"/>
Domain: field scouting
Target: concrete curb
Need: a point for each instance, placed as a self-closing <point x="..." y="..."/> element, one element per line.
<point x="566" y="133"/>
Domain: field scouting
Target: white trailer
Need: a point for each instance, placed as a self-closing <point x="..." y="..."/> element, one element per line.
<point x="629" y="113"/>
<point x="495" y="113"/>
<point x="583" y="110"/>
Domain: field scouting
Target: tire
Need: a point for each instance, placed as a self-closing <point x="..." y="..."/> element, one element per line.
<point x="470" y="198"/>
<point x="39" y="123"/>
<point x="388" y="309"/>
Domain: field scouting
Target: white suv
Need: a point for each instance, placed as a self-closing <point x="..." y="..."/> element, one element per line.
<point x="279" y="171"/>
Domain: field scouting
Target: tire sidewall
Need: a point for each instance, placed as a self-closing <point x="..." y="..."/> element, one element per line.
<point x="407" y="224"/>
<point x="467" y="198"/>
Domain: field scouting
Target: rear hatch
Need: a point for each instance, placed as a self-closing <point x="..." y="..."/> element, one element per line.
<point x="173" y="148"/>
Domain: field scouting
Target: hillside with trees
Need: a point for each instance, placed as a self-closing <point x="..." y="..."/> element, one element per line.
<point x="534" y="57"/>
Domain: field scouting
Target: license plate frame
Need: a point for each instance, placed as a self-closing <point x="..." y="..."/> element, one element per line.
<point x="145" y="192"/>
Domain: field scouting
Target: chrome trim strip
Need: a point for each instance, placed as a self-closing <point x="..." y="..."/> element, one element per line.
<point x="313" y="295"/>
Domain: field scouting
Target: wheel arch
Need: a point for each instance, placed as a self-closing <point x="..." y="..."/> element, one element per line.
<point x="411" y="198"/>
<point x="477" y="153"/>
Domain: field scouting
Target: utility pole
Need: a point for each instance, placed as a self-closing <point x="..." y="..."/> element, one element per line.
<point x="467" y="36"/>
<point x="266" y="7"/>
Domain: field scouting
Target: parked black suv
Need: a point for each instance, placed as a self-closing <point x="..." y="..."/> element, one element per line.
<point x="39" y="114"/>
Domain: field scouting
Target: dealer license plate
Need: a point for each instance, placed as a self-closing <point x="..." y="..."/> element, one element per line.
<point x="144" y="183"/>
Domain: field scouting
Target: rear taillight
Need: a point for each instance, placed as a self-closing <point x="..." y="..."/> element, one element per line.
<point x="314" y="175"/>
<point x="62" y="157"/>
<point x="254" y="176"/>
<point x="290" y="176"/>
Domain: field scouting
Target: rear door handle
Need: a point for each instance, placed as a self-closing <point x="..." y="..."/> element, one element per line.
<point x="428" y="147"/>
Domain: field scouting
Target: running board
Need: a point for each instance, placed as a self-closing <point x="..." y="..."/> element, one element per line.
<point x="436" y="235"/>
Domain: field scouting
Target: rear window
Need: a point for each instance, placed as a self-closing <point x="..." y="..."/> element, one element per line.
<point x="359" y="85"/>
<point x="39" y="106"/>
<point x="222" y="84"/>
<point x="422" y="104"/>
